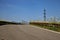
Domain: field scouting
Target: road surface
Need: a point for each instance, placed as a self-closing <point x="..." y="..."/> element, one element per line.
<point x="26" y="32"/>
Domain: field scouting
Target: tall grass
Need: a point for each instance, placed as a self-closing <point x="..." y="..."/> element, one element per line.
<point x="54" y="28"/>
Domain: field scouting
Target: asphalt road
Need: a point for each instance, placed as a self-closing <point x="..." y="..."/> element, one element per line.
<point x="26" y="32"/>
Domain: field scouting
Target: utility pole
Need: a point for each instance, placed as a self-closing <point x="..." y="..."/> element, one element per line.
<point x="44" y="14"/>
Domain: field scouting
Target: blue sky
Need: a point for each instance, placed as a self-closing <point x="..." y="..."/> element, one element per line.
<point x="18" y="10"/>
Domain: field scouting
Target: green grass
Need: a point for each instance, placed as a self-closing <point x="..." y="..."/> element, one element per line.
<point x="50" y="28"/>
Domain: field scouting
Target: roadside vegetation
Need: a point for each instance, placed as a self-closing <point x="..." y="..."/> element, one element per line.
<point x="47" y="26"/>
<point x="7" y="22"/>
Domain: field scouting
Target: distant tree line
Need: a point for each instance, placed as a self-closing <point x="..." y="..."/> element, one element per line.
<point x="6" y="22"/>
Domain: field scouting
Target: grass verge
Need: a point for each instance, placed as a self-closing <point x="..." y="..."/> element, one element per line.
<point x="49" y="27"/>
